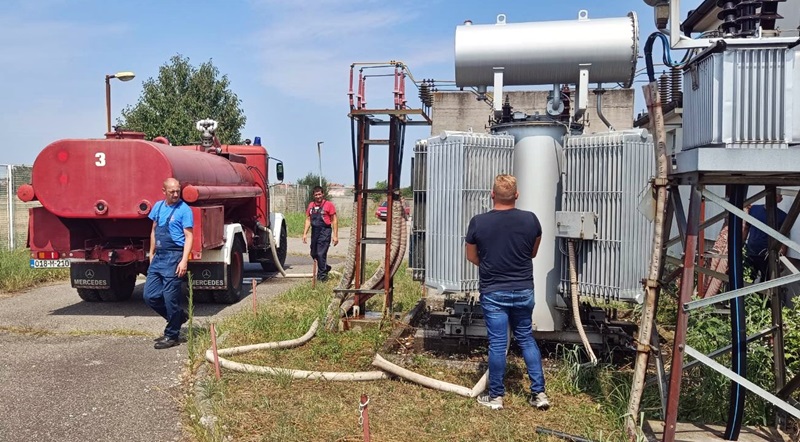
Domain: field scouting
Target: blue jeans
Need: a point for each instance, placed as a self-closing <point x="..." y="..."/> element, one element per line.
<point x="502" y="309"/>
<point x="162" y="291"/>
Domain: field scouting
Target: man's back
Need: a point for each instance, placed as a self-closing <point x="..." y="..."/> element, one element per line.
<point x="757" y="240"/>
<point x="505" y="240"/>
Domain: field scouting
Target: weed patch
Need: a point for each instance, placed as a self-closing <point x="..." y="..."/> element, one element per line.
<point x="16" y="274"/>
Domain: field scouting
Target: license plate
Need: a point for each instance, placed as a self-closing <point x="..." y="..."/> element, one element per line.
<point x="50" y="263"/>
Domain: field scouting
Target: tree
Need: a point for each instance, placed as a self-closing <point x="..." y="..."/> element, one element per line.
<point x="310" y="181"/>
<point x="380" y="185"/>
<point x="181" y="95"/>
<point x="406" y="192"/>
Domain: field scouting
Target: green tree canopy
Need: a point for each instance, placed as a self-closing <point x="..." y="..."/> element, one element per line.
<point x="171" y="104"/>
<point x="311" y="180"/>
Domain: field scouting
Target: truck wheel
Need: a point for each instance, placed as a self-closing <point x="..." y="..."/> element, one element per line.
<point x="202" y="296"/>
<point x="269" y="265"/>
<point x="89" y="295"/>
<point x="235" y="276"/>
<point x="123" y="281"/>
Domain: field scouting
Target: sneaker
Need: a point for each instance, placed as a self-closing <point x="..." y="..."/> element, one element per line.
<point x="495" y="403"/>
<point x="166" y="343"/>
<point x="540" y="401"/>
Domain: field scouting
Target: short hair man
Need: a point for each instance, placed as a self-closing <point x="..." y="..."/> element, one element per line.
<point x="321" y="218"/>
<point x="503" y="243"/>
<point x="170" y="246"/>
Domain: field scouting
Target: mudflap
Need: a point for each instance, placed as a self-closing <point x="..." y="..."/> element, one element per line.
<point x="208" y="275"/>
<point x="90" y="275"/>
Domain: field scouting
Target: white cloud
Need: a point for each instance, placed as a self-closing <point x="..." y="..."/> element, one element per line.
<point x="307" y="47"/>
<point x="35" y="45"/>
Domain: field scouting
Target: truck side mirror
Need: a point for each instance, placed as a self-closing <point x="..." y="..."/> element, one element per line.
<point x="279" y="171"/>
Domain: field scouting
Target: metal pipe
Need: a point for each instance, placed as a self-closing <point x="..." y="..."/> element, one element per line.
<point x="599" y="92"/>
<point x="193" y="194"/>
<point x="108" y="102"/>
<point x="560" y="435"/>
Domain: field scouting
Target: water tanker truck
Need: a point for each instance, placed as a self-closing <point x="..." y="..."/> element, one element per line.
<point x="96" y="195"/>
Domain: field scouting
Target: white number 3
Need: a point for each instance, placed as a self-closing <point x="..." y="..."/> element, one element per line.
<point x="101" y="159"/>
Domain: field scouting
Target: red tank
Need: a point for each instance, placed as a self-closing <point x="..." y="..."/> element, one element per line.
<point x="122" y="178"/>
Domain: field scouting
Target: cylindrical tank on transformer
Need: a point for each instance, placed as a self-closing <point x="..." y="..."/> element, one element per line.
<point x="122" y="178"/>
<point x="550" y="52"/>
<point x="537" y="167"/>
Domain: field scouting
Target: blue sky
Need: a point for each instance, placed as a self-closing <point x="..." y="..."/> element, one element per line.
<point x="288" y="61"/>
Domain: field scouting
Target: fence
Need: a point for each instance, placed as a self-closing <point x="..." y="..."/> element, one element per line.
<point x="13" y="212"/>
<point x="292" y="198"/>
<point x="288" y="198"/>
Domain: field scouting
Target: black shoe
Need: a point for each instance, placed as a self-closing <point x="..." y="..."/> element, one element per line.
<point x="328" y="269"/>
<point x="182" y="338"/>
<point x="185" y="316"/>
<point x="322" y="278"/>
<point x="166" y="343"/>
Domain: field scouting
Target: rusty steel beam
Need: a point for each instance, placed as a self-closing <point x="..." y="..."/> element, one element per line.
<point x="686" y="290"/>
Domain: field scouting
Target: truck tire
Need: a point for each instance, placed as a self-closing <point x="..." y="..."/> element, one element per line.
<point x="123" y="281"/>
<point x="202" y="296"/>
<point x="89" y="295"/>
<point x="235" y="275"/>
<point x="269" y="265"/>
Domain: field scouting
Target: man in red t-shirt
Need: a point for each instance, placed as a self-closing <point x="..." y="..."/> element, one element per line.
<point x="321" y="218"/>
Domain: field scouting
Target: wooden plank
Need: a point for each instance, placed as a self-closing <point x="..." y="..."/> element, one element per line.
<point x="685" y="432"/>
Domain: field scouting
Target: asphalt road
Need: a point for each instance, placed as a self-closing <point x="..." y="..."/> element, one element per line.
<point x="73" y="371"/>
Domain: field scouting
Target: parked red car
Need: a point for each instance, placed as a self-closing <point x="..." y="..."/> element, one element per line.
<point x="380" y="212"/>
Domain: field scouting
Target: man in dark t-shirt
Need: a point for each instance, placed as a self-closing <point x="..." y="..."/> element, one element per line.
<point x="756" y="249"/>
<point x="502" y="243"/>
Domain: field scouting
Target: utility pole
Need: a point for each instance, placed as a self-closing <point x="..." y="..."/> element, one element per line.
<point x="319" y="155"/>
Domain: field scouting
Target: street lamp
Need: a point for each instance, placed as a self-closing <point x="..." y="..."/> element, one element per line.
<point x="319" y="155"/>
<point x="121" y="76"/>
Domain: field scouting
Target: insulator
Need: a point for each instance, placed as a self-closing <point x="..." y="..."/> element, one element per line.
<point x="747" y="17"/>
<point x="728" y="16"/>
<point x="769" y="13"/>
<point x="663" y="88"/>
<point x="425" y="95"/>
<point x="675" y="86"/>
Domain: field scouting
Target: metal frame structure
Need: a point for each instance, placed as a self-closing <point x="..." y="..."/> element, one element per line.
<point x="363" y="119"/>
<point x="690" y="228"/>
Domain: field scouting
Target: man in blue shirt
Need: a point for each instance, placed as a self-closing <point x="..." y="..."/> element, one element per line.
<point x="170" y="246"/>
<point x="757" y="246"/>
<point x="503" y="243"/>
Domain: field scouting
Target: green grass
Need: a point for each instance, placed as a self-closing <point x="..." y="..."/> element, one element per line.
<point x="16" y="274"/>
<point x="253" y="407"/>
<point x="296" y="220"/>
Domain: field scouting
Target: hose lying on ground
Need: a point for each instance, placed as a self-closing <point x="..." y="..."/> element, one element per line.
<point x="425" y="381"/>
<point x="295" y="374"/>
<point x="336" y="376"/>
